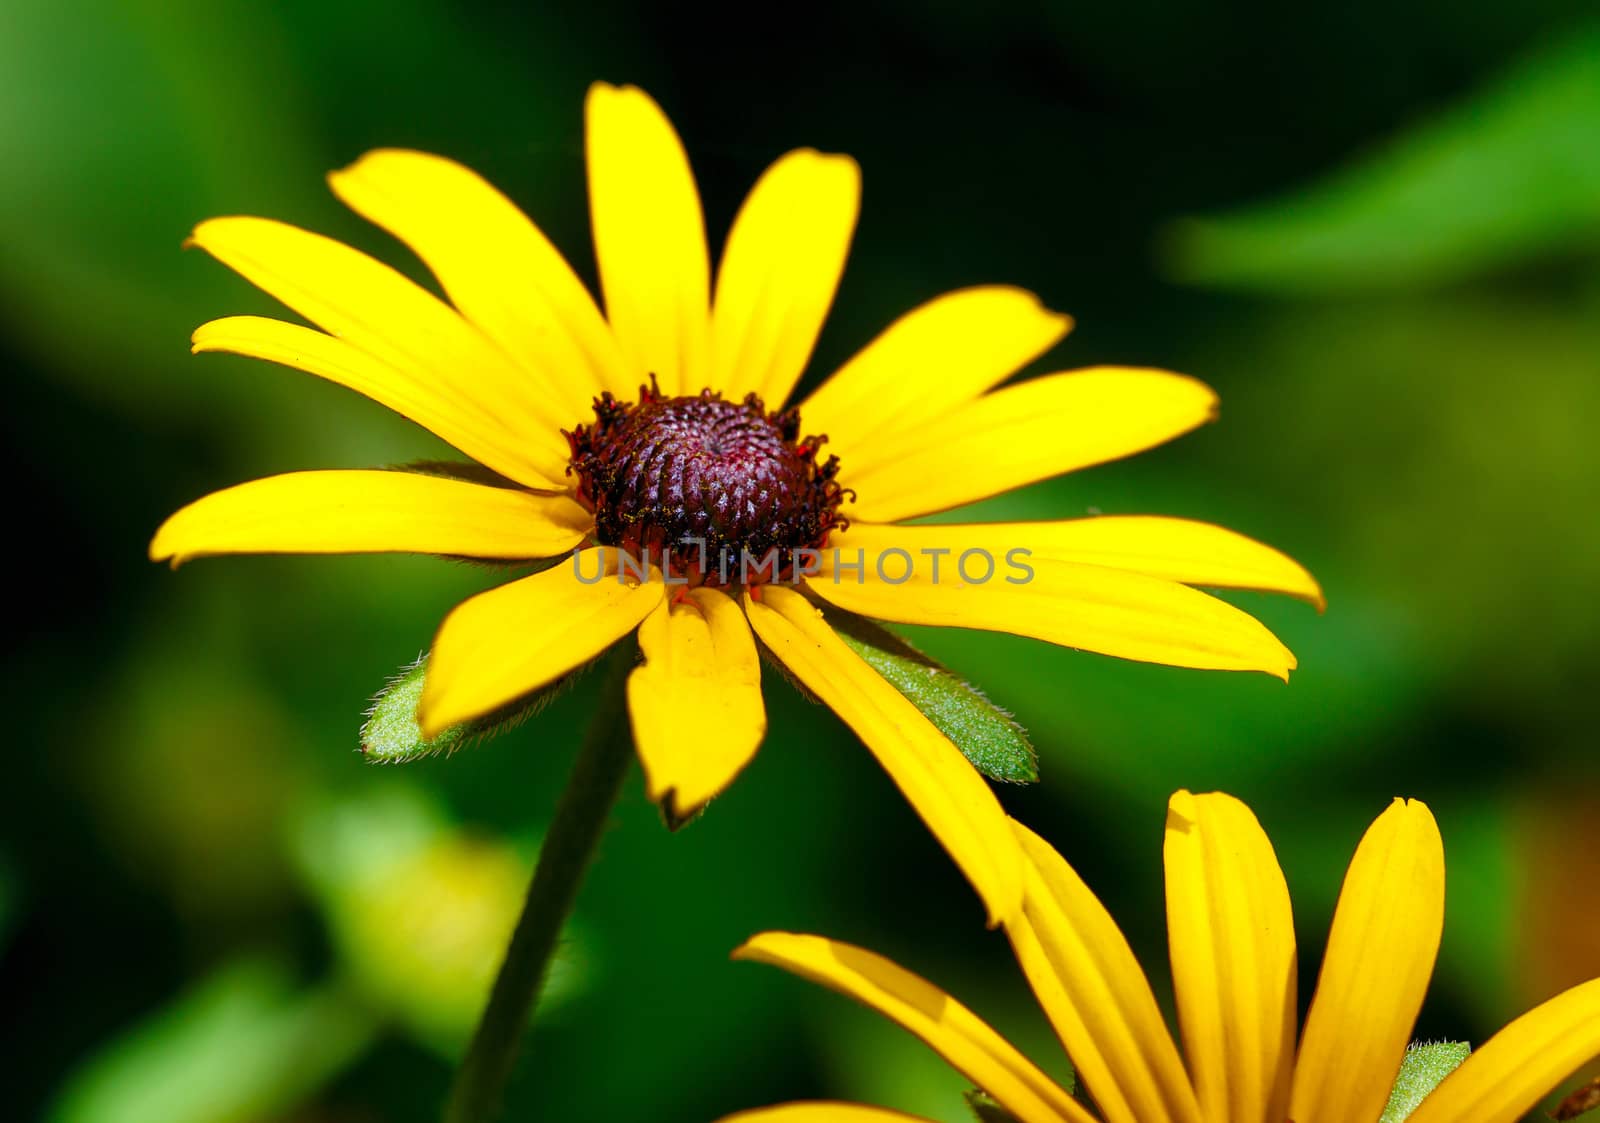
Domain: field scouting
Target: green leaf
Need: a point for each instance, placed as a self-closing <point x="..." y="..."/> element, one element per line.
<point x="1511" y="174"/>
<point x="986" y="1110"/>
<point x="1424" y="1066"/>
<point x="391" y="735"/>
<point x="987" y="736"/>
<point x="243" y="1044"/>
<point x="418" y="909"/>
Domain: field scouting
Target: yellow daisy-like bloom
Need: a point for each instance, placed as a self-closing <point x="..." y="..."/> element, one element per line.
<point x="643" y="429"/>
<point x="1231" y="937"/>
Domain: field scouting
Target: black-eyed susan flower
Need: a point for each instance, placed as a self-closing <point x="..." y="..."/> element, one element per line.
<point x="653" y="446"/>
<point x="1231" y="936"/>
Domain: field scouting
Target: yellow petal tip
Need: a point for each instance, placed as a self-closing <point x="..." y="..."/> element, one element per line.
<point x="1001" y="919"/>
<point x="1314" y="595"/>
<point x="204" y="235"/>
<point x="1183" y="809"/>
<point x="599" y="91"/>
<point x="1281" y="664"/>
<point x="369" y="157"/>
<point x="202" y="339"/>
<point x="674" y="812"/>
<point x="756" y="948"/>
<point x="841" y="161"/>
<point x="199" y="235"/>
<point x="162" y="548"/>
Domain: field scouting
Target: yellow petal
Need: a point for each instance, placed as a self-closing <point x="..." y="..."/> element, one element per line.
<point x="1095" y="995"/>
<point x="1231" y="935"/>
<point x="497" y="267"/>
<point x="936" y="357"/>
<point x="822" y="1112"/>
<point x="696" y="700"/>
<point x="931" y="772"/>
<point x="949" y="1028"/>
<point x="1520" y="1065"/>
<point x="649" y="237"/>
<point x="1109" y="611"/>
<point x="371" y="512"/>
<point x="1022" y="434"/>
<point x="429" y="402"/>
<point x="779" y="272"/>
<point x="508" y="641"/>
<point x="1193" y="553"/>
<point x="1380" y="955"/>
<point x="377" y="310"/>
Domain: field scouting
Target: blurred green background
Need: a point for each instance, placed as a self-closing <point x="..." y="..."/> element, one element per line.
<point x="1373" y="227"/>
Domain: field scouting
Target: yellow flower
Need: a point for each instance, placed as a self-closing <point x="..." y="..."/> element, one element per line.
<point x="1231" y="937"/>
<point x="642" y="432"/>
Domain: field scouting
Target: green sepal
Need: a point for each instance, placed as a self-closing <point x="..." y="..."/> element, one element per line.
<point x="984" y="1108"/>
<point x="1425" y="1064"/>
<point x="987" y="736"/>
<point x="391" y="735"/>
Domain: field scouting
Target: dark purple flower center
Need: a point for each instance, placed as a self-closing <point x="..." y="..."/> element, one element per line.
<point x="718" y="492"/>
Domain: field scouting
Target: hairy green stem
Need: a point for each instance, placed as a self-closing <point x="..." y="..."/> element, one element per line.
<point x="568" y="848"/>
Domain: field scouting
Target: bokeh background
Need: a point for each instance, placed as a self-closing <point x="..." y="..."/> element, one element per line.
<point x="1373" y="227"/>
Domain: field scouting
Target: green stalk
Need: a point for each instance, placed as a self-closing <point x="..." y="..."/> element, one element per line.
<point x="564" y="857"/>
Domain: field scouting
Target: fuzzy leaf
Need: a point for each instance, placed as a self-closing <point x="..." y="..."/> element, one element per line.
<point x="391" y="735"/>
<point x="987" y="736"/>
<point x="1424" y="1066"/>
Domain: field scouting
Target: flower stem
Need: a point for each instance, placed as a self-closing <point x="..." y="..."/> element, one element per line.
<point x="564" y="857"/>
